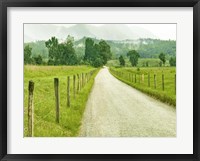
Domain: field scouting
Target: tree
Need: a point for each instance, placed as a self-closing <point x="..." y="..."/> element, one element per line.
<point x="96" y="54"/>
<point x="160" y="63"/>
<point x="61" y="53"/>
<point x="54" y="56"/>
<point x="104" y="51"/>
<point x="89" y="50"/>
<point x="162" y="58"/>
<point x="28" y="55"/>
<point x="67" y="52"/>
<point x="38" y="60"/>
<point x="98" y="62"/>
<point x="172" y="61"/>
<point x="133" y="57"/>
<point x="121" y="61"/>
<point x="147" y="63"/>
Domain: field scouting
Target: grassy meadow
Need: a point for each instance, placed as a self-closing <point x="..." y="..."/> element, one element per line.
<point x="44" y="99"/>
<point x="142" y="62"/>
<point x="168" y="95"/>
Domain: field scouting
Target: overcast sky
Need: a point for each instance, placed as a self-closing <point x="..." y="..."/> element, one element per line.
<point x="162" y="31"/>
<point x="34" y="32"/>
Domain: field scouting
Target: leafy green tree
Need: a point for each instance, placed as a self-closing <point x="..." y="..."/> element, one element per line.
<point x="28" y="55"/>
<point x="160" y="63"/>
<point x="172" y="61"/>
<point x="98" y="62"/>
<point x="63" y="53"/>
<point x="104" y="51"/>
<point x="89" y="50"/>
<point x="97" y="54"/>
<point x="121" y="60"/>
<point x="54" y="54"/>
<point x="162" y="58"/>
<point x="67" y="52"/>
<point x="133" y="57"/>
<point x="38" y="60"/>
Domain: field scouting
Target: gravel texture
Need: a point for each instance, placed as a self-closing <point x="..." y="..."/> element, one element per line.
<point x="115" y="109"/>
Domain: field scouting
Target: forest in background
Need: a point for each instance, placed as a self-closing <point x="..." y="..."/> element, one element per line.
<point x="75" y="52"/>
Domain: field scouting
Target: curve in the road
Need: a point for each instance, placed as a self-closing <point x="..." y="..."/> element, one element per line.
<point x="115" y="109"/>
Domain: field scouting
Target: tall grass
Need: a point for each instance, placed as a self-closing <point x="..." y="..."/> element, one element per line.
<point x="44" y="100"/>
<point x="168" y="95"/>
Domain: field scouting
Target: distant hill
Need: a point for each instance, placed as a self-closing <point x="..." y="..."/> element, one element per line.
<point x="107" y="32"/>
<point x="147" y="48"/>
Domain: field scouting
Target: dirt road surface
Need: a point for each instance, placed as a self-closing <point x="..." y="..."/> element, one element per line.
<point x="115" y="109"/>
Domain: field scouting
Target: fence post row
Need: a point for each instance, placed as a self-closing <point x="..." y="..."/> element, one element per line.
<point x="56" y="88"/>
<point x="30" y="109"/>
<point x="80" y="83"/>
<point x="130" y="77"/>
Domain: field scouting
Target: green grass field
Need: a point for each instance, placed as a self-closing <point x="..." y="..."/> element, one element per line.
<point x="142" y="62"/>
<point x="142" y="83"/>
<point x="44" y="100"/>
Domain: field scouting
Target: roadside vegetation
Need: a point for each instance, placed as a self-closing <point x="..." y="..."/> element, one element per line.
<point x="149" y="80"/>
<point x="44" y="100"/>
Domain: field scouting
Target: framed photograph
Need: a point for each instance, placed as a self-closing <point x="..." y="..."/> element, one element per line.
<point x="81" y="79"/>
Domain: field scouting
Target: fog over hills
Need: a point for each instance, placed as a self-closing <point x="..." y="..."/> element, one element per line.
<point x="35" y="32"/>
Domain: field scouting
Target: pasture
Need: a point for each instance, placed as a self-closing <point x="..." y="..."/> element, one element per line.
<point x="44" y="99"/>
<point x="142" y="62"/>
<point x="158" y="82"/>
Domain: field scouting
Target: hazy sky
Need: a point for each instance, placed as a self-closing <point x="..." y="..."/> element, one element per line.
<point x="33" y="32"/>
<point x="162" y="31"/>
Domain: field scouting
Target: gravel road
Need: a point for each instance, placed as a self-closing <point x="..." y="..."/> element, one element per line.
<point x="115" y="109"/>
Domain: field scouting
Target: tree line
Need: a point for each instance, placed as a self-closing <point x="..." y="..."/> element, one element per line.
<point x="96" y="54"/>
<point x="133" y="56"/>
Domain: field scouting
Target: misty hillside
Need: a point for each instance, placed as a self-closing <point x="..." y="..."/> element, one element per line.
<point x="106" y="32"/>
<point x="147" y="48"/>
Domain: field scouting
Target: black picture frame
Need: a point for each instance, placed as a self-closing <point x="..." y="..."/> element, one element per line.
<point x="4" y="4"/>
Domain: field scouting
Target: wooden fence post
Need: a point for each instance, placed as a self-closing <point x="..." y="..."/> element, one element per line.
<point x="175" y="83"/>
<point x="135" y="79"/>
<point x="163" y="87"/>
<point x="68" y="91"/>
<point x="82" y="80"/>
<point x="132" y="77"/>
<point x="78" y="83"/>
<point x="139" y="78"/>
<point x="74" y="86"/>
<point x="148" y="79"/>
<point x="154" y="81"/>
<point x="30" y="109"/>
<point x="87" y="77"/>
<point x="56" y="88"/>
<point x="142" y="78"/>
<point x="80" y="77"/>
